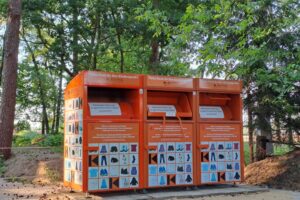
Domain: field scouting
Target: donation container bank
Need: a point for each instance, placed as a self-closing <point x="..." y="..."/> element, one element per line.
<point x="169" y="131"/>
<point x="219" y="132"/>
<point x="103" y="113"/>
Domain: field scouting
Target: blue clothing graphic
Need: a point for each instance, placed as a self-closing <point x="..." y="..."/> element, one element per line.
<point x="103" y="184"/>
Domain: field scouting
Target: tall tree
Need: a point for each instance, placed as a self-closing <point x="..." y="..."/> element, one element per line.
<point x="256" y="41"/>
<point x="9" y="82"/>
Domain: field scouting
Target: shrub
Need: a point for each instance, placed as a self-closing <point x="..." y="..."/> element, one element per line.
<point x="2" y="166"/>
<point x="26" y="138"/>
<point x="22" y="125"/>
<point x="52" y="140"/>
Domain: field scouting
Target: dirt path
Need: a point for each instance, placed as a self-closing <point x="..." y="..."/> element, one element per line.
<point x="9" y="191"/>
<point x="16" y="191"/>
<point x="271" y="195"/>
<point x="35" y="163"/>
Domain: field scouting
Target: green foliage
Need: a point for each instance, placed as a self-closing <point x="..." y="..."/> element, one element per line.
<point x="53" y="140"/>
<point x="22" y="125"/>
<point x="278" y="151"/>
<point x="2" y="166"/>
<point x="29" y="138"/>
<point x="255" y="41"/>
<point x="26" y="138"/>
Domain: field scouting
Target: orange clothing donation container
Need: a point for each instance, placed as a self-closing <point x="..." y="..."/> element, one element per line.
<point x="169" y="131"/>
<point x="103" y="116"/>
<point x="219" y="132"/>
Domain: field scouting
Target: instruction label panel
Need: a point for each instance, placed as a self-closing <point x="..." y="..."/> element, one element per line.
<point x="96" y="78"/>
<point x="220" y="132"/>
<point x="170" y="155"/>
<point x="114" y="161"/>
<point x="220" y="153"/>
<point x="103" y="109"/>
<point x="169" y="132"/>
<point x="112" y="132"/>
<point x="169" y="82"/>
<point x="211" y="112"/>
<point x="220" y="85"/>
<point x="170" y="110"/>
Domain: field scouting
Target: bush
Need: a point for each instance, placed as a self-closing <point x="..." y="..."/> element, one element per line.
<point x="52" y="140"/>
<point x="2" y="166"/>
<point x="26" y="138"/>
<point x="22" y="125"/>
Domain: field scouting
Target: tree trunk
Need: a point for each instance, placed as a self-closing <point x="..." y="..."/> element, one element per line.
<point x="202" y="71"/>
<point x="263" y="148"/>
<point x="9" y="81"/>
<point x="154" y="56"/>
<point x="95" y="42"/>
<point x="2" y="57"/>
<point x="118" y="31"/>
<point x="43" y="126"/>
<point x="250" y="132"/>
<point x="289" y="130"/>
<point x="277" y="125"/>
<point x="75" y="38"/>
<point x="250" y="122"/>
<point x="58" y="104"/>
<point x="45" y="117"/>
<point x="54" y="117"/>
<point x="121" y="52"/>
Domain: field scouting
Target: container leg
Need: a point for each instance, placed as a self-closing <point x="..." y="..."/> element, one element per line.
<point x="144" y="191"/>
<point x="195" y="188"/>
<point x="187" y="188"/>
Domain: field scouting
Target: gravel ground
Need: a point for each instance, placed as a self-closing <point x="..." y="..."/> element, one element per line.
<point x="271" y="195"/>
<point x="14" y="191"/>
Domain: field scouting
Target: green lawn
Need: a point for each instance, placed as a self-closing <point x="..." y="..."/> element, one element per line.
<point x="279" y="149"/>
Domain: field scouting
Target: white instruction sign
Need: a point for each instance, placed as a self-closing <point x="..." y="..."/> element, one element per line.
<point x="211" y="112"/>
<point x="102" y="109"/>
<point x="170" y="110"/>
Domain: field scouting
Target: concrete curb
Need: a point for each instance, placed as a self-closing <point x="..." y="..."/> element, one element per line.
<point x="178" y="193"/>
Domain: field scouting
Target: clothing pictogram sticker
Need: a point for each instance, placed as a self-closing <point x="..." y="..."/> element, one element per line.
<point x="93" y="160"/>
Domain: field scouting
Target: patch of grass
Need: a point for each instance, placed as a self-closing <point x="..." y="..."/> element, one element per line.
<point x="17" y="179"/>
<point x="53" y="175"/>
<point x="26" y="138"/>
<point x="52" y="140"/>
<point x="247" y="152"/>
<point x="57" y="149"/>
<point x="2" y="166"/>
<point x="29" y="138"/>
<point x="279" y="149"/>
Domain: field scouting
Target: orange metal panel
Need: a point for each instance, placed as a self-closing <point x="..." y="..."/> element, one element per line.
<point x="73" y="149"/>
<point x="117" y="158"/>
<point x="168" y="82"/>
<point x="222" y="86"/>
<point x="108" y="79"/>
<point x="220" y="153"/>
<point x="170" y="151"/>
<point x="153" y="130"/>
<point x="219" y="137"/>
